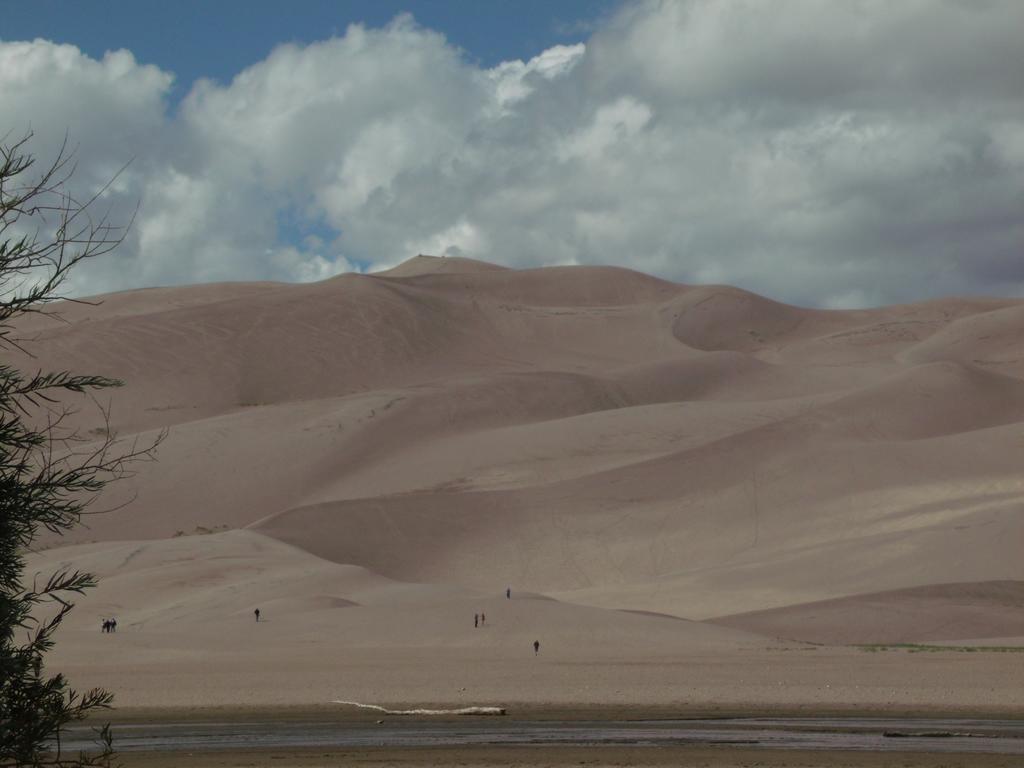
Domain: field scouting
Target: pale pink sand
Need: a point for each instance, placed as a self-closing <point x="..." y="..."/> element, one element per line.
<point x="187" y="637"/>
<point x="415" y="441"/>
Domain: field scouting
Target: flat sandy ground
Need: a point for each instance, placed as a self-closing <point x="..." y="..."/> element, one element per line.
<point x="827" y="679"/>
<point x="697" y="757"/>
<point x="187" y="638"/>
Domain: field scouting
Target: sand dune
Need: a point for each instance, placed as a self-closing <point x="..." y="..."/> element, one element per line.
<point x="929" y="400"/>
<point x="725" y="318"/>
<point x="210" y="584"/>
<point x="187" y="633"/>
<point x="588" y="433"/>
<point x="992" y="339"/>
<point x="941" y="612"/>
<point x="187" y="638"/>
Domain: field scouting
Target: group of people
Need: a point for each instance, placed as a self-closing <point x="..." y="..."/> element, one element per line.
<point x="110" y="625"/>
<point x="479" y="619"/>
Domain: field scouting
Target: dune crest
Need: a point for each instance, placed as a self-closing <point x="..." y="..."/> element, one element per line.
<point x="424" y="264"/>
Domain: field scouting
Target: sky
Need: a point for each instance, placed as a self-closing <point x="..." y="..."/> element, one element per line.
<point x="839" y="154"/>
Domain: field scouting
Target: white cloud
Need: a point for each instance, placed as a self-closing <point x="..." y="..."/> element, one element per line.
<point x="461" y="239"/>
<point x="829" y="154"/>
<point x="615" y="123"/>
<point x="511" y="80"/>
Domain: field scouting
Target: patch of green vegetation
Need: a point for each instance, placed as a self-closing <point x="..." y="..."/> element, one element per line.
<point x="923" y="648"/>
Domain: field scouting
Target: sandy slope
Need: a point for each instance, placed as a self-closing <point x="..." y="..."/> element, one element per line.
<point x="922" y="615"/>
<point x="187" y="637"/>
<point x="588" y="433"/>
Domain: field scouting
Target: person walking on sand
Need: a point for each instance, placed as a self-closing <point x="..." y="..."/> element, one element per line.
<point x="476" y="620"/>
<point x="113" y="624"/>
<point x="536" y="647"/>
<point x="483" y="619"/>
<point x="257" y="612"/>
<point x="508" y="593"/>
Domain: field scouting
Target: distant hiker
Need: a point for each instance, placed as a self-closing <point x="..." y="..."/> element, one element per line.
<point x="483" y="619"/>
<point x="113" y="625"/>
<point x="257" y="612"/>
<point x="508" y="593"/>
<point x="536" y="647"/>
<point x="476" y="619"/>
<point x="106" y="625"/>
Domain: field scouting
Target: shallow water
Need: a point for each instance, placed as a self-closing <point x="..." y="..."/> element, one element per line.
<point x="860" y="734"/>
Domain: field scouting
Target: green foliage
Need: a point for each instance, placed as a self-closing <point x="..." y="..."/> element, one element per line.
<point x="49" y="474"/>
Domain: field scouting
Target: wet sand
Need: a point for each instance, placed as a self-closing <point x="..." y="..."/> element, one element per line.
<point x="545" y="712"/>
<point x="594" y="757"/>
<point x="851" y="733"/>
